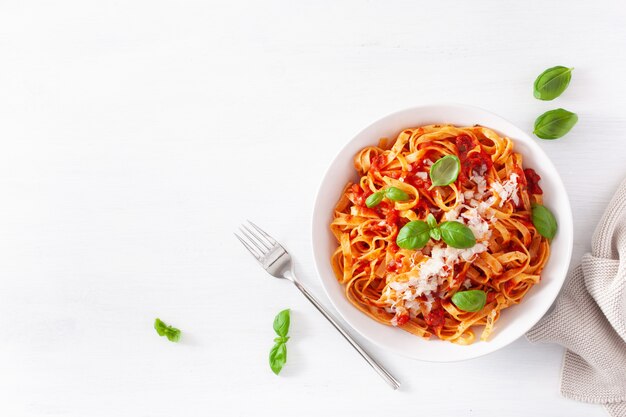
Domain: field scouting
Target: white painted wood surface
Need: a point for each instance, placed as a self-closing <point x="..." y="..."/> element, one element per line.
<point x="135" y="135"/>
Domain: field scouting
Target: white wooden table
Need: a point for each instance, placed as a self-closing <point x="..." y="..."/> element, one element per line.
<point x="136" y="135"/>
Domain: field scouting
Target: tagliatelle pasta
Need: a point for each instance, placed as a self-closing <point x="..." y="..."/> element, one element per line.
<point x="413" y="288"/>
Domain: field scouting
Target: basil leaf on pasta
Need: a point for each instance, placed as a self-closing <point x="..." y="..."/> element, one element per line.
<point x="278" y="357"/>
<point x="435" y="233"/>
<point x="432" y="222"/>
<point x="281" y="323"/>
<point x="413" y="235"/>
<point x="445" y="171"/>
<point x="544" y="221"/>
<point x="457" y="235"/>
<point x="374" y="199"/>
<point x="552" y="82"/>
<point x="396" y="194"/>
<point x="471" y="301"/>
<point x="555" y="123"/>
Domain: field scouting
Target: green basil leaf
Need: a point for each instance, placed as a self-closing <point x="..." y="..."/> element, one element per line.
<point x="552" y="82"/>
<point x="159" y="327"/>
<point x="278" y="354"/>
<point x="375" y="199"/>
<point x="281" y="339"/>
<point x="471" y="301"/>
<point x="457" y="235"/>
<point x="544" y="221"/>
<point x="278" y="357"/>
<point x="432" y="222"/>
<point x="413" y="235"/>
<point x="396" y="194"/>
<point x="281" y="323"/>
<point x="172" y="333"/>
<point x="554" y="123"/>
<point x="435" y="233"/>
<point x="445" y="171"/>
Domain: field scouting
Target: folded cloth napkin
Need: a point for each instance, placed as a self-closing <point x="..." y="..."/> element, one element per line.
<point x="589" y="317"/>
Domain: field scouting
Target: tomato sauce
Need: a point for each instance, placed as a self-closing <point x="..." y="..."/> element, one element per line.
<point x="533" y="179"/>
<point x="478" y="161"/>
<point x="402" y="319"/>
<point x="418" y="182"/>
<point x="464" y="144"/>
<point x="359" y="195"/>
<point x="421" y="208"/>
<point x="378" y="162"/>
<point x="392" y="217"/>
<point x="414" y="180"/>
<point x="435" y="318"/>
<point x="393" y="266"/>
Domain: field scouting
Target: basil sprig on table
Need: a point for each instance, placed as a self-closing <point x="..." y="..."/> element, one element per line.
<point x="416" y="234"/>
<point x="554" y="123"/>
<point x="471" y="300"/>
<point x="278" y="354"/>
<point x="544" y="221"/>
<point x="172" y="333"/>
<point x="552" y="82"/>
<point x="392" y="193"/>
<point x="445" y="171"/>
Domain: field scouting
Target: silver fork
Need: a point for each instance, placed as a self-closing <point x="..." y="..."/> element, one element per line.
<point x="277" y="262"/>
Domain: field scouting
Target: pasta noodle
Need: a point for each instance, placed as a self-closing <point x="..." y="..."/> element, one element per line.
<point x="412" y="289"/>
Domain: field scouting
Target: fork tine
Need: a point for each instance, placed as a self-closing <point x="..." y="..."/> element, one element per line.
<point x="258" y="238"/>
<point x="254" y="240"/>
<point x="250" y="248"/>
<point x="270" y="239"/>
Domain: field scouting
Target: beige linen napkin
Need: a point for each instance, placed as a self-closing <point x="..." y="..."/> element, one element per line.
<point x="589" y="317"/>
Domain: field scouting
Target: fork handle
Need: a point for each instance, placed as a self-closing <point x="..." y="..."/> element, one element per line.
<point x="393" y="383"/>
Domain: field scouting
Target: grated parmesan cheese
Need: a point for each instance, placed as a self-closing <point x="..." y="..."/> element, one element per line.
<point x="507" y="190"/>
<point x="481" y="185"/>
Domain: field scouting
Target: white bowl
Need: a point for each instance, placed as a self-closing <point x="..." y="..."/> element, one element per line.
<point x="514" y="321"/>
